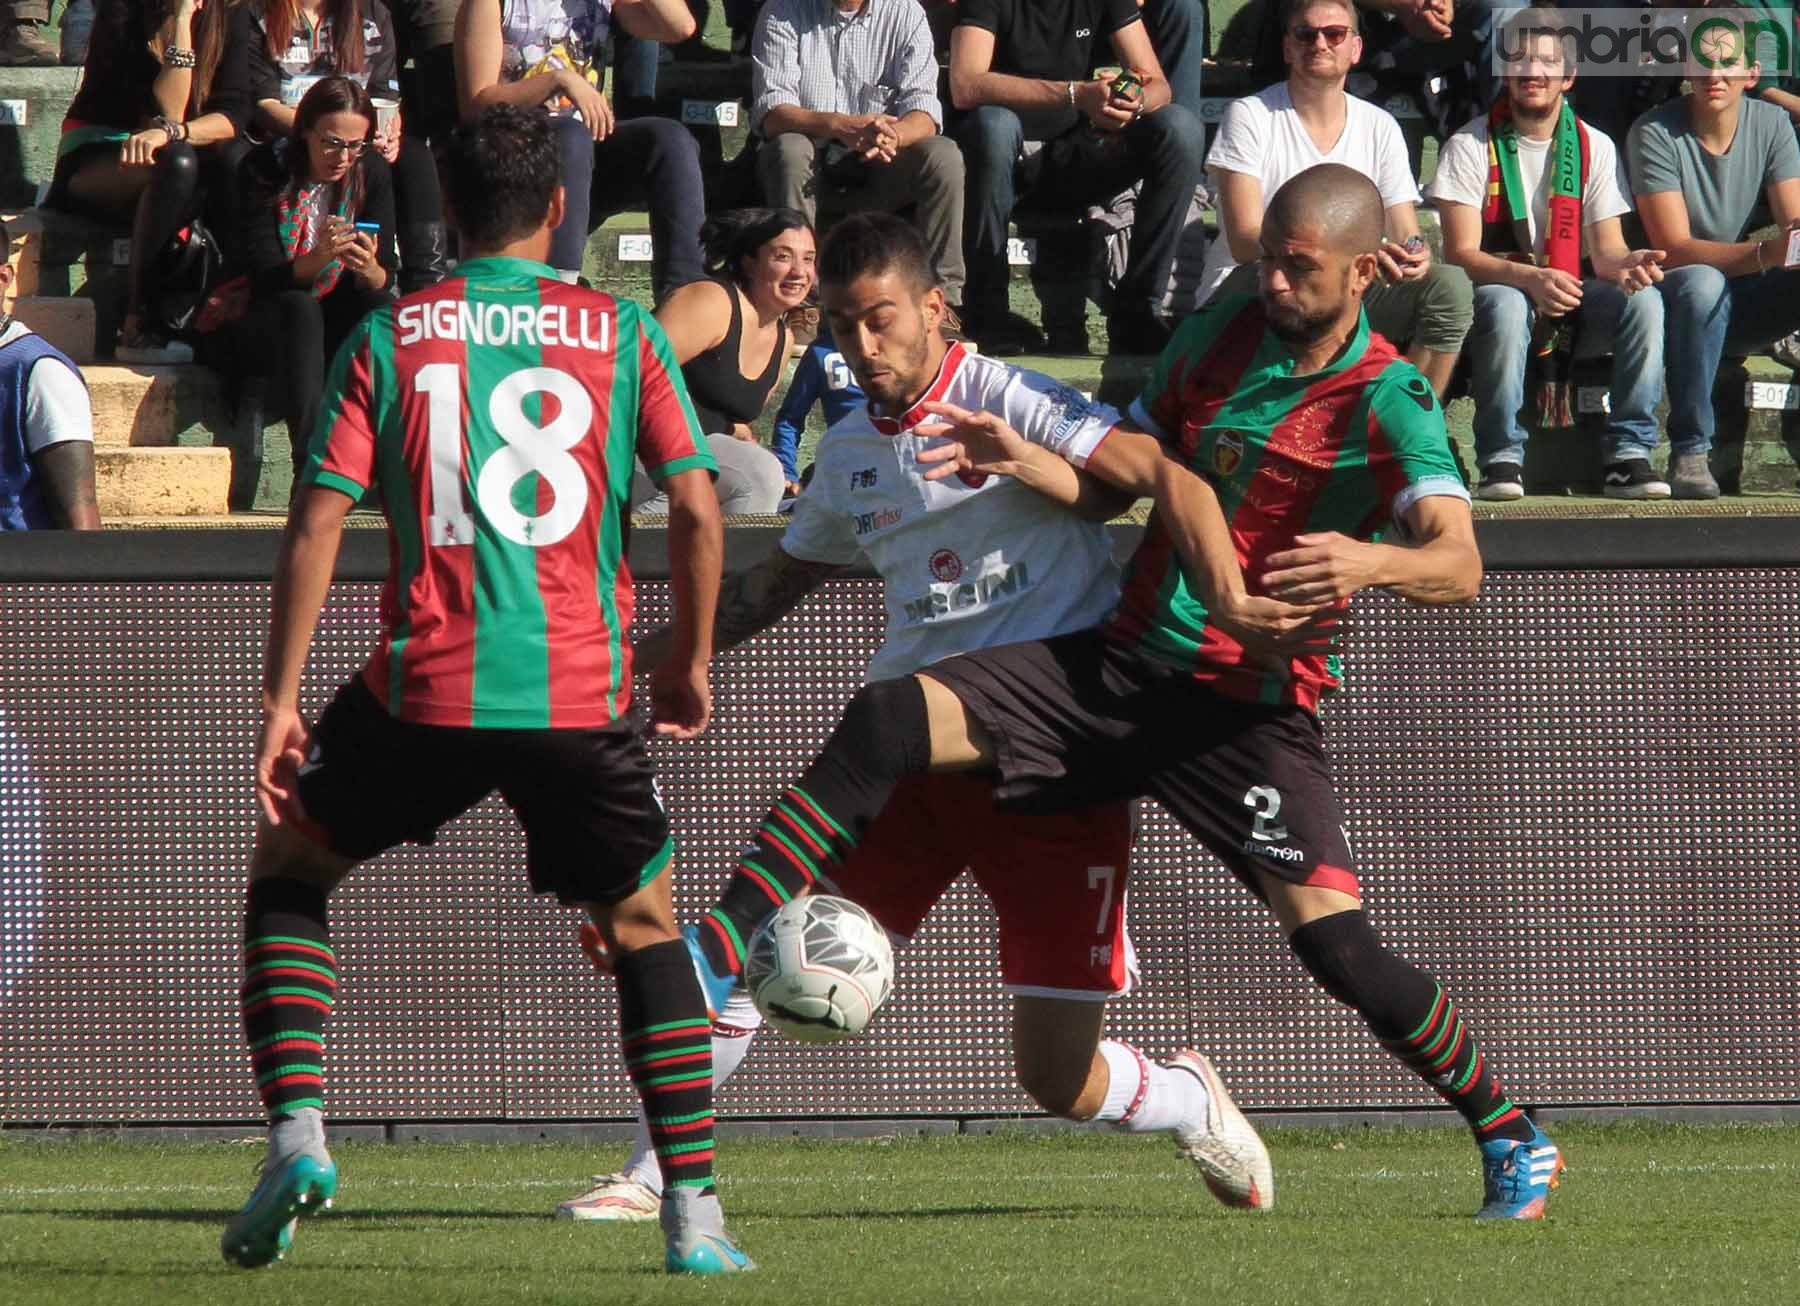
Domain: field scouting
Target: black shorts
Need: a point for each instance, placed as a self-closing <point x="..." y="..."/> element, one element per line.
<point x="595" y="829"/>
<point x="1077" y="720"/>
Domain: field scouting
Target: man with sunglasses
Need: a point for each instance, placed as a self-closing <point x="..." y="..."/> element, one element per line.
<point x="1530" y="197"/>
<point x="1309" y="119"/>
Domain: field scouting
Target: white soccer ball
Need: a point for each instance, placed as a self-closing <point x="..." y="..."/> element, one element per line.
<point x="819" y="969"/>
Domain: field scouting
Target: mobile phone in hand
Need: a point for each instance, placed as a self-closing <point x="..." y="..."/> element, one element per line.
<point x="1127" y="85"/>
<point x="370" y="229"/>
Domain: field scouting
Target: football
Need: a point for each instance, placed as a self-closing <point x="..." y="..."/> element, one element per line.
<point x="819" y="969"/>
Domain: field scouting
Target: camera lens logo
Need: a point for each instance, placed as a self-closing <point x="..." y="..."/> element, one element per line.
<point x="21" y="860"/>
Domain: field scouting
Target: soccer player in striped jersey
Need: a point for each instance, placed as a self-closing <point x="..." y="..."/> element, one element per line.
<point x="967" y="563"/>
<point x="1314" y="439"/>
<point x="498" y="413"/>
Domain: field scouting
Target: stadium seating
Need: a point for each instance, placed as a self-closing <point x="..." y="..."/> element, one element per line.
<point x="165" y="433"/>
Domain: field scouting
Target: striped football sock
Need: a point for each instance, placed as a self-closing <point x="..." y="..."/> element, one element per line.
<point x="883" y="737"/>
<point x="667" y="1041"/>
<point x="797" y="842"/>
<point x="1443" y="1053"/>
<point x="290" y="980"/>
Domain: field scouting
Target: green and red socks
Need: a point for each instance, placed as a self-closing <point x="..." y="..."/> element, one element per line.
<point x="883" y="737"/>
<point x="667" y="1041"/>
<point x="797" y="842"/>
<point x="290" y="981"/>
<point x="1442" y="1052"/>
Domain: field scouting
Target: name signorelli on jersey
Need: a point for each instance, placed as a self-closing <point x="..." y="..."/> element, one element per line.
<point x="545" y="326"/>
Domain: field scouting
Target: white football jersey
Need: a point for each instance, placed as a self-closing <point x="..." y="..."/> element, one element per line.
<point x="969" y="562"/>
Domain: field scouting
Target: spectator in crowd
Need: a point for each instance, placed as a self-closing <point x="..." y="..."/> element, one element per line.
<point x="25" y="35"/>
<point x="845" y="96"/>
<point x="822" y="374"/>
<point x="729" y="334"/>
<point x="163" y="99"/>
<point x="297" y="44"/>
<point x="1699" y="165"/>
<point x="543" y="52"/>
<point x="1278" y="133"/>
<point x="320" y="247"/>
<point x="1022" y="71"/>
<point x="46" y="428"/>
<point x="1530" y="198"/>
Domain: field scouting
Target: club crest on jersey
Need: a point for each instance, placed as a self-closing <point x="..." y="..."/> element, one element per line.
<point x="1228" y="452"/>
<point x="945" y="566"/>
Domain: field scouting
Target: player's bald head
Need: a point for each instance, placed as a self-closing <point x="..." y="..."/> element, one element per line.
<point x="1339" y="206"/>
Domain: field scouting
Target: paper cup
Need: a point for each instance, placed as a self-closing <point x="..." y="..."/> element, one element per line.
<point x="385" y="113"/>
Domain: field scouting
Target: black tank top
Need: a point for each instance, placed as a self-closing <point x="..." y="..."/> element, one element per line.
<point x="722" y="394"/>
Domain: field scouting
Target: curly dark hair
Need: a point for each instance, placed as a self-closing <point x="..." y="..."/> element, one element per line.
<point x="500" y="173"/>
<point x="728" y="238"/>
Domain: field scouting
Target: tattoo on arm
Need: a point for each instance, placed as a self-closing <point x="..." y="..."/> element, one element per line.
<point x="68" y="471"/>
<point x="753" y="600"/>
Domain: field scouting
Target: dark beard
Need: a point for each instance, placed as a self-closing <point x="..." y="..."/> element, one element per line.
<point x="1296" y="329"/>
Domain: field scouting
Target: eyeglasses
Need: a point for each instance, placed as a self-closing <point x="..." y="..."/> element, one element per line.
<point x="332" y="145"/>
<point x="1335" y="35"/>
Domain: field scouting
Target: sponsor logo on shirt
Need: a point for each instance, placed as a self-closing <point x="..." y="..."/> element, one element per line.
<point x="1066" y="408"/>
<point x="1082" y="33"/>
<point x="960" y="596"/>
<point x="864" y="479"/>
<point x="945" y="566"/>
<point x="1228" y="452"/>
<point x="865" y="522"/>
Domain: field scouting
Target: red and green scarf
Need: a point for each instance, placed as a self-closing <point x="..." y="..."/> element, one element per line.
<point x="1553" y="339"/>
<point x="294" y="211"/>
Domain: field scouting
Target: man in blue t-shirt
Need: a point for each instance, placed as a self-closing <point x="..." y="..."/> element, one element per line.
<point x="1699" y="165"/>
<point x="822" y="374"/>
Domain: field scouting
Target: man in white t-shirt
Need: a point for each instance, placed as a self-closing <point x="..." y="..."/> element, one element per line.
<point x="1276" y="134"/>
<point x="968" y="563"/>
<point x="1497" y="220"/>
<point x="46" y="429"/>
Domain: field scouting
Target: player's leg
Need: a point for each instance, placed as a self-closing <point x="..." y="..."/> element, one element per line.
<point x="290" y="968"/>
<point x="890" y="730"/>
<point x="1264" y="802"/>
<point x="901" y="868"/>
<point x="596" y="835"/>
<point x="1059" y="886"/>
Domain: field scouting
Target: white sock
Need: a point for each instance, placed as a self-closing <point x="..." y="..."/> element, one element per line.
<point x="743" y="1020"/>
<point x="1145" y="1098"/>
<point x="297" y="1131"/>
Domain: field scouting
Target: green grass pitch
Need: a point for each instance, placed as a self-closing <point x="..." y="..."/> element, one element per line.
<point x="1646" y="1214"/>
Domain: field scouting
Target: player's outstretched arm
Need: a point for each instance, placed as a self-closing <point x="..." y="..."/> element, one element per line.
<point x="1439" y="564"/>
<point x="983" y="442"/>
<point x="680" y="695"/>
<point x="309" y="551"/>
<point x="750" y="601"/>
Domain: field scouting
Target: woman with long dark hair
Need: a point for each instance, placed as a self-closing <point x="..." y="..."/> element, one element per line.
<point x="164" y="96"/>
<point x="300" y="41"/>
<point x="320" y="248"/>
<point x="729" y="334"/>
<point x="542" y="53"/>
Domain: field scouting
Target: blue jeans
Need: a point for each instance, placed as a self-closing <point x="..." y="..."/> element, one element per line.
<point x="1163" y="148"/>
<point x="1177" y="30"/>
<point x="1710" y="317"/>
<point x="653" y="161"/>
<point x="1629" y="326"/>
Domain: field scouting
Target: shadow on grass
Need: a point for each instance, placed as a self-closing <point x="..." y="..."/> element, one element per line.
<point x="1062" y="1212"/>
<point x="395" y="1216"/>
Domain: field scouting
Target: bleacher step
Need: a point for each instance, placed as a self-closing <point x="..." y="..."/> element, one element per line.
<point x="139" y="407"/>
<point x="161" y="482"/>
<point x="66" y="322"/>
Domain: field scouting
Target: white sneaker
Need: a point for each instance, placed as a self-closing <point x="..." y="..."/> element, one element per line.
<point x="1232" y="1159"/>
<point x="615" y="1197"/>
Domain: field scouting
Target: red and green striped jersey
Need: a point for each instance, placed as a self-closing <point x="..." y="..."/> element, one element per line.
<point x="1348" y="449"/>
<point x="498" y="413"/>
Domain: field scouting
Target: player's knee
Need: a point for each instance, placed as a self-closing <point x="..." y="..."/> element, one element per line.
<point x="886" y="729"/>
<point x="1343" y="954"/>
